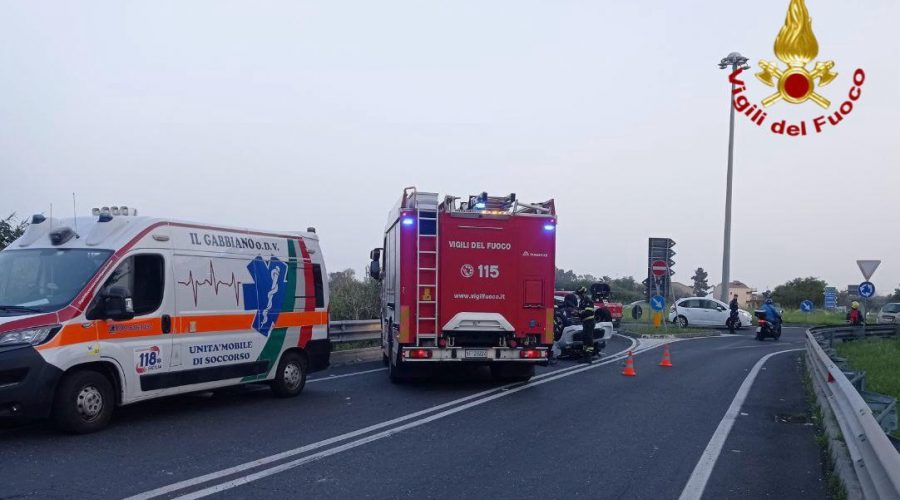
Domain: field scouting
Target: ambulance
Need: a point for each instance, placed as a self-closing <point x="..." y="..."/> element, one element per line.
<point x="113" y="309"/>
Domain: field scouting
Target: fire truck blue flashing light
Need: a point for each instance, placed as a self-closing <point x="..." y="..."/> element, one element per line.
<point x="408" y="221"/>
<point x="549" y="226"/>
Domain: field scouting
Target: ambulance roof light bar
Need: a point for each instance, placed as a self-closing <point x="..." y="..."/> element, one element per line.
<point x="107" y="213"/>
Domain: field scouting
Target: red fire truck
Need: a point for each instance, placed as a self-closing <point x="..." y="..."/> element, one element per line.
<point x="467" y="280"/>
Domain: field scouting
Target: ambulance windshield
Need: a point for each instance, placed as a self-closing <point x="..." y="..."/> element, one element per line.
<point x="45" y="279"/>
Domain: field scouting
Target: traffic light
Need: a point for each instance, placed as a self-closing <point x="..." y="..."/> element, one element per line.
<point x="660" y="250"/>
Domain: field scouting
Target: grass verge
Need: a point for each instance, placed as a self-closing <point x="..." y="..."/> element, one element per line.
<point x="880" y="359"/>
<point x="834" y="487"/>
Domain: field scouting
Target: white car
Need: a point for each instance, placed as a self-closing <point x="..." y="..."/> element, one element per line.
<point x="704" y="311"/>
<point x="890" y="314"/>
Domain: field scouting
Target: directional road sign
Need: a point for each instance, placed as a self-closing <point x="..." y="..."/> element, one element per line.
<point x="659" y="268"/>
<point x="657" y="302"/>
<point x="866" y="289"/>
<point x="868" y="267"/>
<point x="806" y="306"/>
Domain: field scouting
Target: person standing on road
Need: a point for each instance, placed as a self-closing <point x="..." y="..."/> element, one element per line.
<point x="587" y="333"/>
<point x="584" y="299"/>
<point x="733" y="315"/>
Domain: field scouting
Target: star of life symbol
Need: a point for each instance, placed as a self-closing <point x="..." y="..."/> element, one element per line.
<point x="265" y="294"/>
<point x="796" y="46"/>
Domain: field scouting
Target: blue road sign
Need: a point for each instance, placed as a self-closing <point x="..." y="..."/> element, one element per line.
<point x="657" y="302"/>
<point x="806" y="306"/>
<point x="866" y="289"/>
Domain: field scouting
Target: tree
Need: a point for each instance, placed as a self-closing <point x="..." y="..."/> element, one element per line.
<point x="795" y="291"/>
<point x="701" y="285"/>
<point x="10" y="229"/>
<point x="352" y="299"/>
<point x="896" y="296"/>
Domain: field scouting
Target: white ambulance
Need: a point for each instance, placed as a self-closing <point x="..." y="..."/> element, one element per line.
<point x="112" y="309"/>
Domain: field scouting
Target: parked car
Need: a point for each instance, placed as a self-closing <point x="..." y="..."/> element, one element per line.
<point x="704" y="311"/>
<point x="889" y="314"/>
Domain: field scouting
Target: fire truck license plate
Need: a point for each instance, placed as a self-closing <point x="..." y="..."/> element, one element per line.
<point x="476" y="353"/>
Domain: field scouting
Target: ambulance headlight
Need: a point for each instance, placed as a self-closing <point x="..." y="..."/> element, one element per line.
<point x="33" y="336"/>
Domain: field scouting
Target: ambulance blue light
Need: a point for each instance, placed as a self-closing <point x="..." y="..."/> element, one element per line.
<point x="408" y="221"/>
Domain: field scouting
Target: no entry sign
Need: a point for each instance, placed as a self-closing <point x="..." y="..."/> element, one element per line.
<point x="658" y="267"/>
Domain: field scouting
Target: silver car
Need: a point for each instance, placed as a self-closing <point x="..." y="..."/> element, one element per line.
<point x="890" y="314"/>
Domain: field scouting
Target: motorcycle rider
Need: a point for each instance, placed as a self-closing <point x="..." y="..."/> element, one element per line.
<point x="733" y="315"/>
<point x="855" y="316"/>
<point x="773" y="316"/>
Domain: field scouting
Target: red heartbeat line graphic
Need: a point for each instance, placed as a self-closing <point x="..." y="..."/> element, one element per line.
<point x="214" y="283"/>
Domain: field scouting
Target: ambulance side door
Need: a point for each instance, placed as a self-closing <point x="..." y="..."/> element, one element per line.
<point x="140" y="346"/>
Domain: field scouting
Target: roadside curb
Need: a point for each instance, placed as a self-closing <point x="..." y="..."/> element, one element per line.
<point x="353" y="356"/>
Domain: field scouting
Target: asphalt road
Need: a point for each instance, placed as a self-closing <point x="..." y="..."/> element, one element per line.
<point x="573" y="432"/>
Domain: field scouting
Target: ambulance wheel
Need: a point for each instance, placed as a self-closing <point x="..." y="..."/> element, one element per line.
<point x="512" y="372"/>
<point x="83" y="402"/>
<point x="291" y="375"/>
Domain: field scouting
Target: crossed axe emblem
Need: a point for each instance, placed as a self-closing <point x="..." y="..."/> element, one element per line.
<point x="796" y="84"/>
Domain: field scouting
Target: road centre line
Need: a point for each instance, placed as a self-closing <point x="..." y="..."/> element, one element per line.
<point x="696" y="484"/>
<point x="504" y="389"/>
<point x="390" y="432"/>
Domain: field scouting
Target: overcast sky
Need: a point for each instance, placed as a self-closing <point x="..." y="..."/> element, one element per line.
<point x="282" y="115"/>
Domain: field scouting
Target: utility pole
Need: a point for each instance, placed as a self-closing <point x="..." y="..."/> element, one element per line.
<point x="734" y="61"/>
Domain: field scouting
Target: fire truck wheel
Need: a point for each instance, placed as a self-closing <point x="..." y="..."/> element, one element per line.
<point x="291" y="375"/>
<point x="396" y="371"/>
<point x="384" y="357"/>
<point x="84" y="402"/>
<point x="512" y="372"/>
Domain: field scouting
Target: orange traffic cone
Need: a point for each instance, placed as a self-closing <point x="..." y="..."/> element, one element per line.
<point x="667" y="358"/>
<point x="629" y="366"/>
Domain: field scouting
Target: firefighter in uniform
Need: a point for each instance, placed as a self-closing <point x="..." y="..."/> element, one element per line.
<point x="588" y="322"/>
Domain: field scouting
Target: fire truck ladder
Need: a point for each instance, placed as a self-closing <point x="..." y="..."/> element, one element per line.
<point x="426" y="277"/>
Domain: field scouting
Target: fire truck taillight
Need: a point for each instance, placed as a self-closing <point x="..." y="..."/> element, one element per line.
<point x="418" y="354"/>
<point x="531" y="354"/>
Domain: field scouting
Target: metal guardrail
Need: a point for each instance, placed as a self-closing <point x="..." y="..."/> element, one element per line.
<point x="348" y="331"/>
<point x="875" y="461"/>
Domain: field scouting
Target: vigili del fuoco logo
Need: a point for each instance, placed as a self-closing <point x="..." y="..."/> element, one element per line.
<point x="797" y="84"/>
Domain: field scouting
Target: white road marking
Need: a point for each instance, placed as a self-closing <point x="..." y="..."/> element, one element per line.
<point x="333" y="377"/>
<point x="693" y="490"/>
<point x="383" y="434"/>
<point x="469" y="402"/>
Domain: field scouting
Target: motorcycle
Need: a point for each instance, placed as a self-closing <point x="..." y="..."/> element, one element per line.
<point x="567" y="334"/>
<point x="765" y="328"/>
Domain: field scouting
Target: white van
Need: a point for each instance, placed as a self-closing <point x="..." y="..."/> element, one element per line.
<point x="112" y="309"/>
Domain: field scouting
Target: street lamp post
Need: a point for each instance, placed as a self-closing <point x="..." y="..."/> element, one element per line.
<point x="734" y="61"/>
